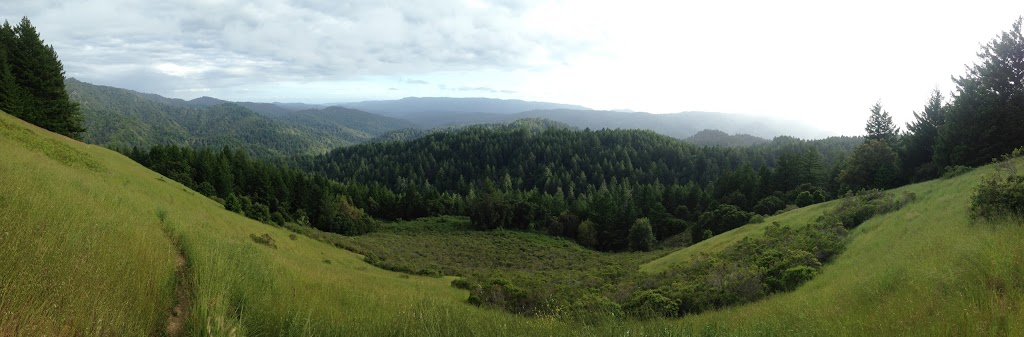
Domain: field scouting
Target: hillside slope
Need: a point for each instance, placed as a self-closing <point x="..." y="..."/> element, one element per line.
<point x="123" y="118"/>
<point x="924" y="270"/>
<point x="89" y="245"/>
<point x="90" y="241"/>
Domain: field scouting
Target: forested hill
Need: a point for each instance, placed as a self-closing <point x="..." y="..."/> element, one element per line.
<point x="433" y="112"/>
<point x="719" y="138"/>
<point x="525" y="174"/>
<point x="123" y="118"/>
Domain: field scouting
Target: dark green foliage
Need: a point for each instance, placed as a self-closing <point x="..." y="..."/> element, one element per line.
<point x="1000" y="196"/>
<point x="32" y="81"/>
<point x="719" y="138"/>
<point x="538" y="175"/>
<point x="641" y="235"/>
<point x="986" y="116"/>
<point x="880" y="126"/>
<point x="918" y="145"/>
<point x="805" y="198"/>
<point x="769" y="205"/>
<point x="723" y="219"/>
<point x="260" y="190"/>
<point x="587" y="234"/>
<point x="651" y="304"/>
<point x="872" y="165"/>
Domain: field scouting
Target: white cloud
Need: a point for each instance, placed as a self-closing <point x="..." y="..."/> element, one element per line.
<point x="821" y="62"/>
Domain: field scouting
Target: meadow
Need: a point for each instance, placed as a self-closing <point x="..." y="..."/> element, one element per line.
<point x="90" y="238"/>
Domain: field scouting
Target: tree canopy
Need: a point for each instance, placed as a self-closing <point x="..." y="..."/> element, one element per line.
<point x="986" y="117"/>
<point x="32" y="81"/>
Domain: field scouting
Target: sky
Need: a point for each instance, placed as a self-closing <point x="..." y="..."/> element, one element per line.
<point x="821" y="62"/>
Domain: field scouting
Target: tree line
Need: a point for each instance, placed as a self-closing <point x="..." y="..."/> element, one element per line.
<point x="592" y="186"/>
<point x="262" y="190"/>
<point x="32" y="81"/>
<point x="982" y="120"/>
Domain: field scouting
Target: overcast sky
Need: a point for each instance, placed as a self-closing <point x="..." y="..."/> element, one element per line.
<point x="823" y="62"/>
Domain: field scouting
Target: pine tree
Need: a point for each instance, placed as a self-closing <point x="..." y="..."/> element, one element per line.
<point x="986" y="117"/>
<point x="10" y="93"/>
<point x="880" y="126"/>
<point x="40" y="74"/>
<point x="919" y="141"/>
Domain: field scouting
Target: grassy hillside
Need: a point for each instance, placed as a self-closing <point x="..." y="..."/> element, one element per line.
<point x="123" y="118"/>
<point x="84" y="240"/>
<point x="924" y="270"/>
<point x="89" y="248"/>
<point x="722" y="241"/>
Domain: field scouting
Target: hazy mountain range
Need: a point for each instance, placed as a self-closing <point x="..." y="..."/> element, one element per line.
<point x="124" y="118"/>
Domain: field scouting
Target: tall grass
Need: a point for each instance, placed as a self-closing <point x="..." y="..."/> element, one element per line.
<point x="83" y="252"/>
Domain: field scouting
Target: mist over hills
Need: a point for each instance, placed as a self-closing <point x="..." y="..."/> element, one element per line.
<point x="433" y="112"/>
<point x="124" y="118"/>
<point x="411" y="107"/>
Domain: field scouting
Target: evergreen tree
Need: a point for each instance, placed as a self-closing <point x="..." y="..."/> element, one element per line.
<point x="40" y="74"/>
<point x="986" y="117"/>
<point x="880" y="126"/>
<point x="919" y="141"/>
<point x="872" y="165"/>
<point x="641" y="235"/>
<point x="10" y="93"/>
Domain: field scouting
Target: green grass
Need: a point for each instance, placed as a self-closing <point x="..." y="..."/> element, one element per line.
<point x="718" y="243"/>
<point x="83" y="252"/>
<point x="448" y="246"/>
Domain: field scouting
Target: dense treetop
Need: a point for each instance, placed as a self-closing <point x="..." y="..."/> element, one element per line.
<point x="32" y="81"/>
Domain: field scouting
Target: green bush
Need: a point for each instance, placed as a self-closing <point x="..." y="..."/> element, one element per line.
<point x="769" y="205"/>
<point x="854" y="210"/>
<point x="591" y="309"/>
<point x="795" y="276"/>
<point x="641" y="235"/>
<point x="804" y="199"/>
<point x="999" y="198"/>
<point x="651" y="304"/>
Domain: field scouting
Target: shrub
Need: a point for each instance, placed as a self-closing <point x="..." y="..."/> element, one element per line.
<point x="591" y="309"/>
<point x="804" y="199"/>
<point x="769" y="205"/>
<point x="587" y="234"/>
<point x="999" y="198"/>
<point x="651" y="304"/>
<point x="264" y="239"/>
<point x="723" y="218"/>
<point x="854" y="210"/>
<point x="641" y="235"/>
<point x="795" y="276"/>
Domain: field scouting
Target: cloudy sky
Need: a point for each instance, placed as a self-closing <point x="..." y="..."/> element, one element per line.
<point x="823" y="62"/>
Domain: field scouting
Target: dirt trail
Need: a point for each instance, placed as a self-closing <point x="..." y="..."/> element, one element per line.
<point x="182" y="296"/>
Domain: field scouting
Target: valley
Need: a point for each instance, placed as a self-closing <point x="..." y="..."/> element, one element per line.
<point x="125" y="213"/>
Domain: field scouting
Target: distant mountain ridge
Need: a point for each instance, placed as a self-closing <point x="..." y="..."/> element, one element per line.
<point x="124" y="118"/>
<point x="435" y="112"/>
<point x="412" y="106"/>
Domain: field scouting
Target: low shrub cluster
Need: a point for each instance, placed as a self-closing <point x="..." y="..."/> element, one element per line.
<point x="857" y="208"/>
<point x="1000" y="196"/>
<point x="264" y="239"/>
<point x="781" y="260"/>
